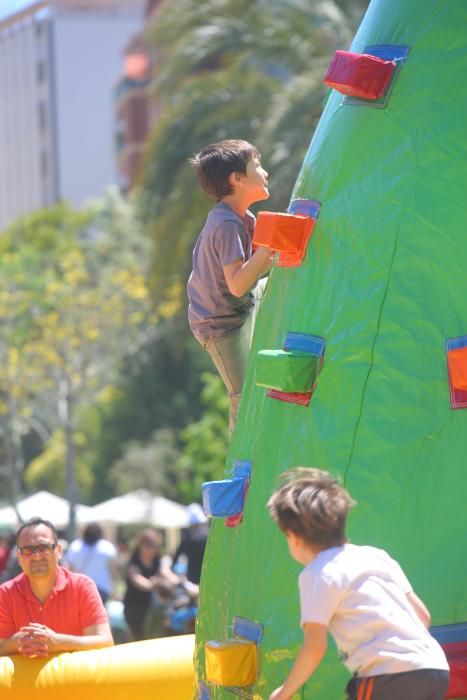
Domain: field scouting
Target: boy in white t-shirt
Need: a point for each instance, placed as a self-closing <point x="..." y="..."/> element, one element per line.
<point x="357" y="593"/>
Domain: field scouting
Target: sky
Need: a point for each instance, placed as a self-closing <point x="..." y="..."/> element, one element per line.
<point x="7" y="7"/>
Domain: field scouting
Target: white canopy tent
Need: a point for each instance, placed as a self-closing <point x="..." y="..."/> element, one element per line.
<point x="141" y="507"/>
<point x="42" y="505"/>
<point x="136" y="507"/>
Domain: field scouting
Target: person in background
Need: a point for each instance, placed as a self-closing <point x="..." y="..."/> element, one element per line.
<point x="48" y="609"/>
<point x="94" y="556"/>
<point x="187" y="564"/>
<point x="148" y="576"/>
<point x="192" y="547"/>
<point x="7" y="544"/>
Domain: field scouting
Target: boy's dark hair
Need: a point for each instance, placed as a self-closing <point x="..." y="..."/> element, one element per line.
<point x="92" y="533"/>
<point x="313" y="505"/>
<point x="215" y="163"/>
<point x="34" y="522"/>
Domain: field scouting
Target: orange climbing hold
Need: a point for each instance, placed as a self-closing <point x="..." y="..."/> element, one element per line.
<point x="286" y="233"/>
<point x="457" y="363"/>
<point x="281" y="232"/>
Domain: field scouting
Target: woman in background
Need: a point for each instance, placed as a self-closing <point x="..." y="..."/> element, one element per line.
<point x="148" y="576"/>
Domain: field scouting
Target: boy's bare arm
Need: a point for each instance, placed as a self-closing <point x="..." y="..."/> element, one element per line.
<point x="242" y="276"/>
<point x="308" y="659"/>
<point x="420" y="608"/>
<point x="269" y="263"/>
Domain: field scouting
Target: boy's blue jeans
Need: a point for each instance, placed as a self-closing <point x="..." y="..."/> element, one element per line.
<point x="230" y="354"/>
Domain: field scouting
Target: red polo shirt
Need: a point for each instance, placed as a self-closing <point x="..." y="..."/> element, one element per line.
<point x="73" y="605"/>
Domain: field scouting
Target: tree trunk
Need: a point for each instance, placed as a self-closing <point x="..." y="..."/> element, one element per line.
<point x="65" y="413"/>
<point x="14" y="456"/>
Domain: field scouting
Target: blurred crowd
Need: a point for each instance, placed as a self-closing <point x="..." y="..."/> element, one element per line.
<point x="148" y="592"/>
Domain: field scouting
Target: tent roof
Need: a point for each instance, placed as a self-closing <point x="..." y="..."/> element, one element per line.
<point x="140" y="507"/>
<point x="42" y="505"/>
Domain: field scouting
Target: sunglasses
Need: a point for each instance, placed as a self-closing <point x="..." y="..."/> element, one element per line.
<point x="29" y="549"/>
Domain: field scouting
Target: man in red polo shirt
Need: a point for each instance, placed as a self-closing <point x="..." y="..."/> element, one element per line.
<point x="48" y="609"/>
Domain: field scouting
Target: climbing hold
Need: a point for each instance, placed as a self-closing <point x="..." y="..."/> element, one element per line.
<point x="295" y="367"/>
<point x="394" y="53"/>
<point x="300" y="207"/>
<point x="456" y="349"/>
<point x="233" y="662"/>
<point x="457" y="361"/>
<point x="359" y="75"/>
<point x="282" y="232"/>
<point x="241" y="468"/>
<point x="223" y="498"/>
<point x="286" y="371"/>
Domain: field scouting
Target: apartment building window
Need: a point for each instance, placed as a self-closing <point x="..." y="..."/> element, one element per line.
<point x="40" y="71"/>
<point x="42" y="114"/>
<point x="44" y="164"/>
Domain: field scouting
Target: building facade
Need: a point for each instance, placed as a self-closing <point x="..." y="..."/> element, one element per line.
<point x="136" y="108"/>
<point x="59" y="61"/>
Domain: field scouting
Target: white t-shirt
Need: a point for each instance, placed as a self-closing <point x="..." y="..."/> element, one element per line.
<point x="93" y="560"/>
<point x="359" y="593"/>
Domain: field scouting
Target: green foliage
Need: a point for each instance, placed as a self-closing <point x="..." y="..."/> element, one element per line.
<point x="205" y="442"/>
<point x="147" y="466"/>
<point x="47" y="471"/>
<point x="74" y="301"/>
<point x="158" y="387"/>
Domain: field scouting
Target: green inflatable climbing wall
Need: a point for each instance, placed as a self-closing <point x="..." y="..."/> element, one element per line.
<point x="384" y="283"/>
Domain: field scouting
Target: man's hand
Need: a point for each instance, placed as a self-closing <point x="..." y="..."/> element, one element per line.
<point x="37" y="640"/>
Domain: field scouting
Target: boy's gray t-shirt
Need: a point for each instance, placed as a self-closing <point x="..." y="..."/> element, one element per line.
<point x="213" y="311"/>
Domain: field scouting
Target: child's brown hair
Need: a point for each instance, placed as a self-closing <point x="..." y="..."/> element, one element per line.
<point x="313" y="505"/>
<point x="215" y="163"/>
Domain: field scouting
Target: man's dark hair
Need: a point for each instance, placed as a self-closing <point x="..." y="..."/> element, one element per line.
<point x="313" y="505"/>
<point x="34" y="522"/>
<point x="215" y="163"/>
<point x="92" y="533"/>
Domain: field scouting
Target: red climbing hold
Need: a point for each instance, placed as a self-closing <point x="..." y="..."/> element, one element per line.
<point x="359" y="75"/>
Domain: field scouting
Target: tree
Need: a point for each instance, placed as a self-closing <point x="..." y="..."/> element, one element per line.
<point x="21" y="300"/>
<point x="147" y="465"/>
<point x="90" y="303"/>
<point x="157" y="387"/>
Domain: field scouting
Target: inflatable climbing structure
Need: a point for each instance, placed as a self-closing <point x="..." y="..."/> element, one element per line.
<point x="359" y="360"/>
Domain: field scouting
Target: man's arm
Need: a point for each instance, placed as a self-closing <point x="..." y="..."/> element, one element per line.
<point x="242" y="276"/>
<point x="39" y="640"/>
<point x="308" y="659"/>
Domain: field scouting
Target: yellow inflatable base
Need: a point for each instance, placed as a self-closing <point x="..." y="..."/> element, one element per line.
<point x="159" y="669"/>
